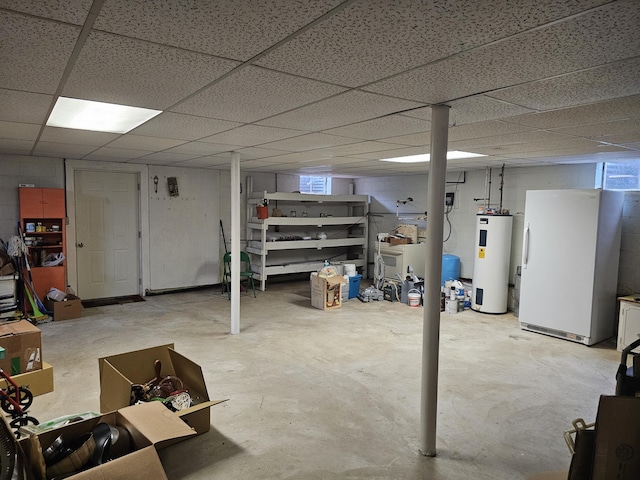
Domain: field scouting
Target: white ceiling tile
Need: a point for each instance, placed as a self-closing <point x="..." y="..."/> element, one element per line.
<point x="598" y="37"/>
<point x="536" y="151"/>
<point x="24" y="107"/>
<point x="152" y="161"/>
<point x="609" y="110"/>
<point x="484" y="129"/>
<point x="168" y="157"/>
<point x="64" y="150"/>
<point x="598" y="130"/>
<point x="238" y="29"/>
<point x="372" y="39"/>
<point x="68" y="11"/>
<point x="507" y="139"/>
<point x="481" y="108"/>
<point x="380" y="128"/>
<point x="415" y="139"/>
<point x="182" y="127"/>
<point x="208" y="161"/>
<point x="358" y="148"/>
<point x="398" y="152"/>
<point x="540" y="146"/>
<point x="593" y="85"/>
<point x="17" y="147"/>
<point x="138" y="142"/>
<point x="309" y="141"/>
<point x="271" y="93"/>
<point x="19" y="131"/>
<point x="121" y="70"/>
<point x="258" y="152"/>
<point x="201" y="148"/>
<point x="344" y="109"/>
<point x="34" y="52"/>
<point x="79" y="137"/>
<point x="106" y="153"/>
<point x="249" y="135"/>
<point x="620" y="139"/>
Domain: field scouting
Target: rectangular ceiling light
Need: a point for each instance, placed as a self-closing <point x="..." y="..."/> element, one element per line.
<point x="97" y="116"/>
<point x="425" y="157"/>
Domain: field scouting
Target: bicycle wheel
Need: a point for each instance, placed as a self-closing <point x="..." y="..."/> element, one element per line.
<point x="25" y="400"/>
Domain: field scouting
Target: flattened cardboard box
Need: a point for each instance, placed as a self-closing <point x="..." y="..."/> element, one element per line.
<point x="152" y="427"/>
<point x="119" y="372"/>
<point x="23" y="344"/>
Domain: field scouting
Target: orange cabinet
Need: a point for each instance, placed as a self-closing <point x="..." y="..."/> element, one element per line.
<point x="42" y="202"/>
<point x="42" y="219"/>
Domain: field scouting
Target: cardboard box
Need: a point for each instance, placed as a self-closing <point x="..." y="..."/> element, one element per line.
<point x="38" y="382"/>
<point x="151" y="426"/>
<point x="617" y="439"/>
<point x="119" y="372"/>
<point x="67" y="309"/>
<point x="399" y="241"/>
<point x="23" y="344"/>
<point x="326" y="293"/>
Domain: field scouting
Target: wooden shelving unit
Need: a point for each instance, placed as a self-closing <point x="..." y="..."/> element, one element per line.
<point x="44" y="208"/>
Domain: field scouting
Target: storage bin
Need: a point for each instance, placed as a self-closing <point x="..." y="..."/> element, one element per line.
<point x="354" y="285"/>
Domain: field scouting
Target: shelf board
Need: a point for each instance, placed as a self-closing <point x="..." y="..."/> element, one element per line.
<point x="304" y="197"/>
<point x="302" y="244"/>
<point x="306" y="221"/>
<point x="296" y="267"/>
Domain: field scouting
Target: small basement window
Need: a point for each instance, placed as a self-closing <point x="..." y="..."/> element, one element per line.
<point x="317" y="185"/>
<point x="621" y="175"/>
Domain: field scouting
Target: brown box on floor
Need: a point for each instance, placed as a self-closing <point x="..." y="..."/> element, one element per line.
<point x="118" y="373"/>
<point x="70" y="307"/>
<point x="23" y="347"/>
<point x="149" y="427"/>
<point x="38" y="382"/>
<point x="326" y="293"/>
<point x="617" y="439"/>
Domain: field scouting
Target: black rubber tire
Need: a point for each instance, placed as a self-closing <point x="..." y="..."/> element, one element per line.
<point x="26" y="399"/>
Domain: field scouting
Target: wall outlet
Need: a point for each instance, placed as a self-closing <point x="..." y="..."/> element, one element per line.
<point x="448" y="199"/>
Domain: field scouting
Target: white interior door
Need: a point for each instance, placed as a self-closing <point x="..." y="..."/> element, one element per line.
<point x="107" y="246"/>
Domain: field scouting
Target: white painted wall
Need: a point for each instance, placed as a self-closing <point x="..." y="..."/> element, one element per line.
<point x="385" y="191"/>
<point x="183" y="241"/>
<point x="49" y="172"/>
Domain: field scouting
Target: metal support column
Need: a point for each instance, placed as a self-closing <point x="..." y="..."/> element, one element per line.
<point x="432" y="280"/>
<point x="235" y="243"/>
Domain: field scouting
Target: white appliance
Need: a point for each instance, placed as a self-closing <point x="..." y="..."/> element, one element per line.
<point x="398" y="258"/>
<point x="628" y="323"/>
<point x="571" y="247"/>
<point x="491" y="265"/>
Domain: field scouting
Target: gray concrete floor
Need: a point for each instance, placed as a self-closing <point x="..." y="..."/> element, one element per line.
<point x="327" y="395"/>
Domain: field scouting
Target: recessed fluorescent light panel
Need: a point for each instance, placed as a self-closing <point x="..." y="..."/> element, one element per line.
<point x="425" y="157"/>
<point x="98" y="116"/>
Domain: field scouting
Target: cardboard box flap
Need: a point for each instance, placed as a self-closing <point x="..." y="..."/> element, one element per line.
<point x="137" y="367"/>
<point x="337" y="280"/>
<point x="119" y="392"/>
<point x="10" y="328"/>
<point x="200" y="406"/>
<point x="189" y="372"/>
<point x="143" y="463"/>
<point x="146" y="417"/>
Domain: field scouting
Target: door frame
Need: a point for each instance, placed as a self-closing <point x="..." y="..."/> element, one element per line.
<point x="142" y="172"/>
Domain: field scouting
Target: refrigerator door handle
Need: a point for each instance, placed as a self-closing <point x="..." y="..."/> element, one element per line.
<point x="525" y="247"/>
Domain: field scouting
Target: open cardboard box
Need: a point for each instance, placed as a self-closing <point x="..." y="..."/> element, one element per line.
<point x="23" y="347"/>
<point x="326" y="292"/>
<point x="69" y="308"/>
<point x="38" y="382"/>
<point x="119" y="372"/>
<point x="151" y="425"/>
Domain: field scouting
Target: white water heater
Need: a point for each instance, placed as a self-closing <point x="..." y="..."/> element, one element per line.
<point x="491" y="264"/>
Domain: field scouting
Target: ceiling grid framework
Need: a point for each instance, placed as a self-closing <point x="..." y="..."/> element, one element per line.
<point x="326" y="86"/>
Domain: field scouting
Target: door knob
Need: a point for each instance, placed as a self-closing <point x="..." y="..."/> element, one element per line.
<point x="80" y="245"/>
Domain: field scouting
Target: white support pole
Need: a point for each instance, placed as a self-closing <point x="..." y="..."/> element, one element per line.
<point x="235" y="243"/>
<point x="432" y="280"/>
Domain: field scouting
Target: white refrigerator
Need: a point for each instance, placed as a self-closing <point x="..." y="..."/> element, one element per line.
<point x="570" y="253"/>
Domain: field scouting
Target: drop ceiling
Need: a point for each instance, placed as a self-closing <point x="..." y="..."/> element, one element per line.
<point x="326" y="86"/>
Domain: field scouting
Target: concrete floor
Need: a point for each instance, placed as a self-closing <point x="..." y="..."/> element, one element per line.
<point x="327" y="395"/>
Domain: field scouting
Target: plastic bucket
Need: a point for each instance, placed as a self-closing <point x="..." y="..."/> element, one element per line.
<point x="350" y="269"/>
<point x="413" y="298"/>
<point x="263" y="212"/>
